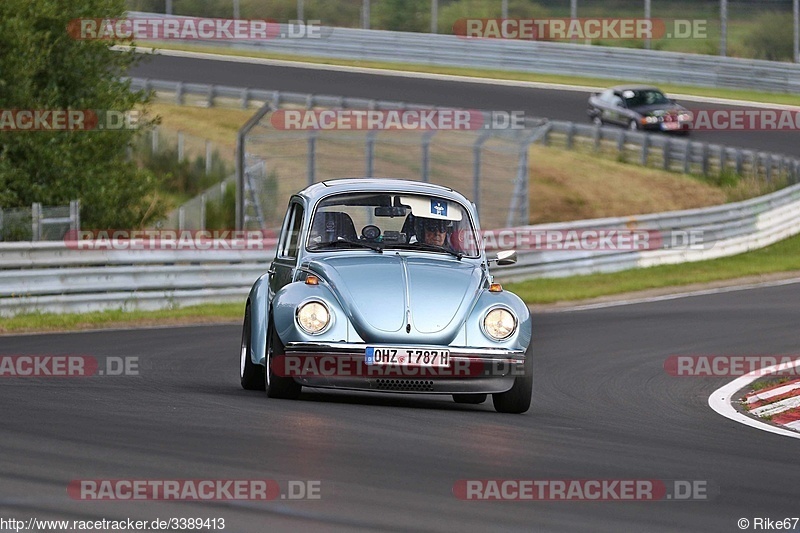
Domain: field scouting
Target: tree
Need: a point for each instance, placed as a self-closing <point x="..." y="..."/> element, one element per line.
<point x="44" y="68"/>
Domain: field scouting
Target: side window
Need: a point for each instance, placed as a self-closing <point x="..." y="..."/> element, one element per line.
<point x="291" y="232"/>
<point x="617" y="101"/>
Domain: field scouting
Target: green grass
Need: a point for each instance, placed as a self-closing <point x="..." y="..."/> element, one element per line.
<point x="783" y="256"/>
<point x="734" y="94"/>
<point x="223" y="312"/>
<point x="767" y="383"/>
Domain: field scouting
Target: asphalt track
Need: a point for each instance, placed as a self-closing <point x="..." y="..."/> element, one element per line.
<point x="556" y="104"/>
<point x="603" y="408"/>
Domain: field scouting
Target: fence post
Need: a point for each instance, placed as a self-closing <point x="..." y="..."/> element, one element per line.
<point x="1" y="224"/>
<point x="208" y="157"/>
<point x="621" y="142"/>
<point x="245" y="98"/>
<point x="203" y="212"/>
<point x="154" y="141"/>
<point x="667" y="153"/>
<point x="705" y="159"/>
<point x="596" y="137"/>
<point x="370" y="153"/>
<point x="723" y="156"/>
<point x="768" y="167"/>
<point x="476" y="169"/>
<point x="179" y="93"/>
<point x="739" y="158"/>
<point x="570" y="135"/>
<point x="180" y="146"/>
<point x="211" y="94"/>
<point x="520" y="200"/>
<point x="645" y="149"/>
<point x="181" y="218"/>
<point x="687" y="158"/>
<point x="426" y="154"/>
<point x="36" y="222"/>
<point x="311" y="157"/>
<point x="75" y="215"/>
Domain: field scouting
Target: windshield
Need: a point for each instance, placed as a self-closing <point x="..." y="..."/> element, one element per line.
<point x="382" y="221"/>
<point x="640" y="98"/>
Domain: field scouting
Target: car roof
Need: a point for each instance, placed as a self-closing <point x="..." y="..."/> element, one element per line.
<point x="620" y="88"/>
<point x="324" y="188"/>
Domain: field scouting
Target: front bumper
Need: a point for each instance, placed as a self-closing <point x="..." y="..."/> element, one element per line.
<point x="342" y="366"/>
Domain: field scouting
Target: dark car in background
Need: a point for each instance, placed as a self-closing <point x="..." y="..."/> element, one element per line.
<point x="639" y="108"/>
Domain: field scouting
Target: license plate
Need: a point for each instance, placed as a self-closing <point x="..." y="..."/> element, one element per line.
<point x="670" y="125"/>
<point x="389" y="355"/>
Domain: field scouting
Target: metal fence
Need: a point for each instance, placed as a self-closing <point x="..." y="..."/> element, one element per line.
<point x="532" y="56"/>
<point x="53" y="277"/>
<point x="490" y="167"/>
<point x="39" y="223"/>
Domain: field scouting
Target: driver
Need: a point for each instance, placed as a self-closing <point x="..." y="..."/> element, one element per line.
<point x="434" y="231"/>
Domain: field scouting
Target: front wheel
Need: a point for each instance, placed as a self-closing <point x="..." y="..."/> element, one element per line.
<point x="250" y="375"/>
<point x="517" y="400"/>
<point x="278" y="386"/>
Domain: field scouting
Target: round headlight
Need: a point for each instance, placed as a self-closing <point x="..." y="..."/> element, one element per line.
<point x="313" y="317"/>
<point x="499" y="324"/>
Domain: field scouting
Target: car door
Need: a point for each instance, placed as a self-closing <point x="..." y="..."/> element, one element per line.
<point x="617" y="112"/>
<point x="284" y="265"/>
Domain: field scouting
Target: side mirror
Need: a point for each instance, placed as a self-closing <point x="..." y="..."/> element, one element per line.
<point x="506" y="257"/>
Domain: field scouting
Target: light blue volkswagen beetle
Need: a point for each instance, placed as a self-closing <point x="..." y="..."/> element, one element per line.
<point x="383" y="285"/>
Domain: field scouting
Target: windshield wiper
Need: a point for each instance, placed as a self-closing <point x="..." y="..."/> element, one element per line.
<point x="430" y="247"/>
<point x="344" y="243"/>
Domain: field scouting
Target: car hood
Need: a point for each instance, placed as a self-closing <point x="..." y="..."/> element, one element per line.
<point x="658" y="109"/>
<point x="385" y="294"/>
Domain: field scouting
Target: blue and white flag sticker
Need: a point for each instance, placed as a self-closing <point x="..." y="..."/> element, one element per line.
<point x="370" y="355"/>
<point x="439" y="207"/>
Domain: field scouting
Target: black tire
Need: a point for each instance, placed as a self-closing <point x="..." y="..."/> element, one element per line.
<point x="474" y="399"/>
<point x="517" y="399"/>
<point x="285" y="388"/>
<point x="251" y="375"/>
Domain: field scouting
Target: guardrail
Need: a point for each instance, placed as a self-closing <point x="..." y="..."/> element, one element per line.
<point x="531" y="56"/>
<point x="662" y="151"/>
<point x="53" y="277"/>
<point x="56" y="278"/>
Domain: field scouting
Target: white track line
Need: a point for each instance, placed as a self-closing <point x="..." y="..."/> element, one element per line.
<point x="675" y="296"/>
<point x="720" y="401"/>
